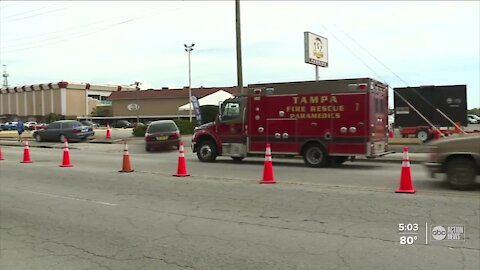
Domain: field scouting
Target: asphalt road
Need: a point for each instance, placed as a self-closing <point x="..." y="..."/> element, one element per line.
<point x="92" y="217"/>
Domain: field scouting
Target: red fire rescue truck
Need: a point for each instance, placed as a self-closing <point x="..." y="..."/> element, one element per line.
<point x="325" y="122"/>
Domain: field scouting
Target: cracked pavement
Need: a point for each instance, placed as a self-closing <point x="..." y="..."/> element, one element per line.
<point x="91" y="217"/>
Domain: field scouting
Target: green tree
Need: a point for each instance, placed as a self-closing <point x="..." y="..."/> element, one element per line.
<point x="52" y="117"/>
<point x="100" y="111"/>
<point x="474" y="111"/>
<point x="209" y="113"/>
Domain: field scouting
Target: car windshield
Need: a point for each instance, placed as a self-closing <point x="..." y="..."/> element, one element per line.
<point x="162" y="127"/>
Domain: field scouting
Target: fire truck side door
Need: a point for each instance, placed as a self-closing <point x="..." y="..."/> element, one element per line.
<point x="229" y="127"/>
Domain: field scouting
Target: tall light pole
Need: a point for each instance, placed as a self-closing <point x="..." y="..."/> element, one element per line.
<point x="189" y="49"/>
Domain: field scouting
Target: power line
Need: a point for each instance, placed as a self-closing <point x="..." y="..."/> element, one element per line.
<point x="359" y="45"/>
<point x="51" y="41"/>
<point x="64" y="38"/>
<point x="10" y="5"/>
<point x="30" y="11"/>
<point x="356" y="56"/>
<point x="414" y="90"/>
<point x="68" y="29"/>
<point x="35" y="15"/>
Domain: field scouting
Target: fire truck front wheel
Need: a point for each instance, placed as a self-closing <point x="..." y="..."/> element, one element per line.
<point x="206" y="151"/>
<point x="315" y="155"/>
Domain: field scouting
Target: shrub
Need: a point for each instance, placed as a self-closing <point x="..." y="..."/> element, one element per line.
<point x="139" y="130"/>
<point x="101" y="111"/>
<point x="209" y="113"/>
<point x="52" y="117"/>
<point x="185" y="126"/>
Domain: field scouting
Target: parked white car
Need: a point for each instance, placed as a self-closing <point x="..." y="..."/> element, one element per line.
<point x="473" y="119"/>
<point x="30" y="125"/>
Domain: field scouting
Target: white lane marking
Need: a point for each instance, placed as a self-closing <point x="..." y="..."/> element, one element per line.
<point x="71" y="198"/>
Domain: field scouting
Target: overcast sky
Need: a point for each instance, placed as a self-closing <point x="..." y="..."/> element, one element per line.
<point x="119" y="42"/>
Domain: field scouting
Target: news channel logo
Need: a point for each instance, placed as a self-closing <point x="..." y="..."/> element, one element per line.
<point x="447" y="232"/>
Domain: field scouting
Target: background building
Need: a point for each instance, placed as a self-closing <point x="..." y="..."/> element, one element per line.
<point x="160" y="103"/>
<point x="70" y="100"/>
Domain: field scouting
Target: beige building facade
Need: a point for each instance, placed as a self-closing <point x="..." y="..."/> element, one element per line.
<point x="70" y="100"/>
<point x="157" y="103"/>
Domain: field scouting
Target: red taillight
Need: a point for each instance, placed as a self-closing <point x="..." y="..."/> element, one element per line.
<point x="149" y="137"/>
<point x="176" y="135"/>
<point x="362" y="86"/>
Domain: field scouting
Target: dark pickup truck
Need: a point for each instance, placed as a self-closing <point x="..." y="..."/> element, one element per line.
<point x="458" y="157"/>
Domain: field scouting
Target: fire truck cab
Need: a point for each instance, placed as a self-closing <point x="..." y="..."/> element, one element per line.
<point x="325" y="122"/>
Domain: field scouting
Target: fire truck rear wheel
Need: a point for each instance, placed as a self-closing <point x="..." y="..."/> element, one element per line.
<point x="207" y="151"/>
<point x="315" y="155"/>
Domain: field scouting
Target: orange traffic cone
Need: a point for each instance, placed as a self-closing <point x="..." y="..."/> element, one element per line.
<point x="26" y="154"/>
<point x="406" y="185"/>
<point x="268" y="177"/>
<point x="1" y="156"/>
<point x="66" y="156"/>
<point x="126" y="168"/>
<point x="108" y="135"/>
<point x="182" y="166"/>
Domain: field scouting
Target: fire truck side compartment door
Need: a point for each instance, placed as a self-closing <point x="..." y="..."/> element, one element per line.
<point x="282" y="135"/>
<point x="257" y="124"/>
<point x="349" y="129"/>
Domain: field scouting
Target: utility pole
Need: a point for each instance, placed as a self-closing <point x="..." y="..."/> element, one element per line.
<point x="5" y="76"/>
<point x="239" y="47"/>
<point x="189" y="49"/>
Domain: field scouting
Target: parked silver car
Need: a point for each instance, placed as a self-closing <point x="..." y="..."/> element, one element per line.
<point x="63" y="129"/>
